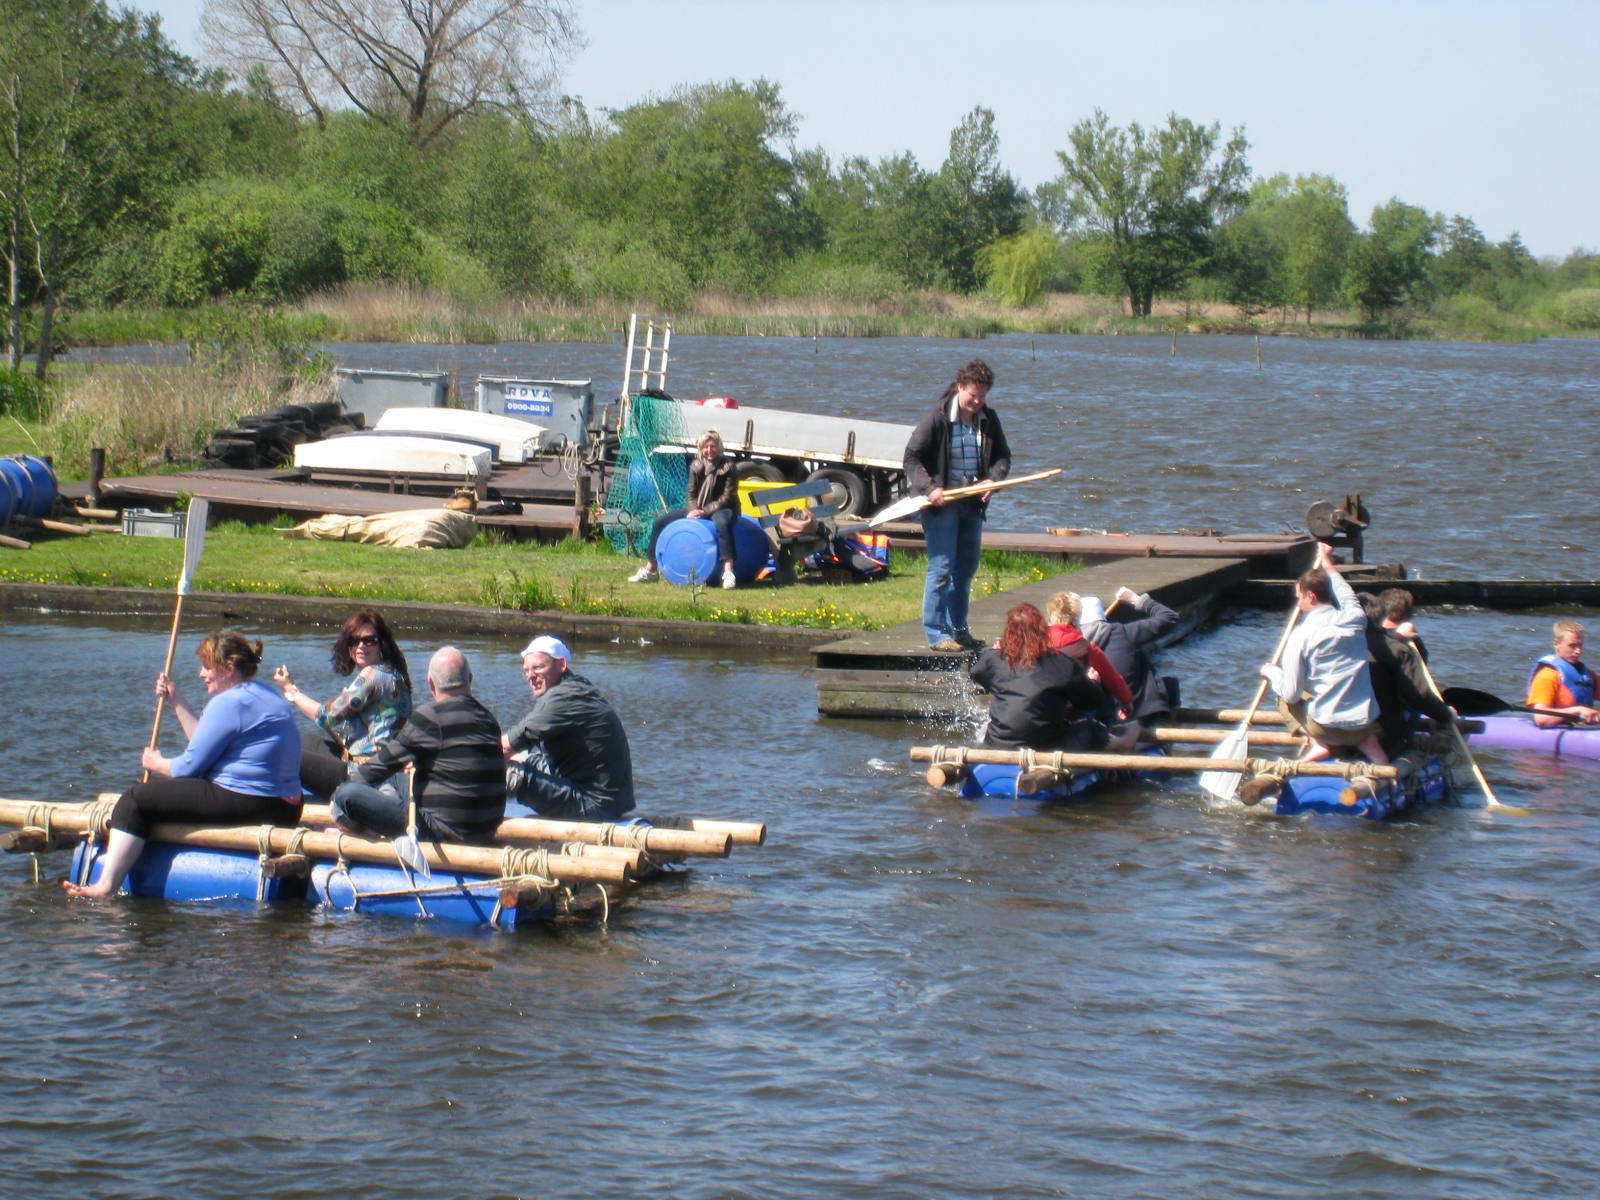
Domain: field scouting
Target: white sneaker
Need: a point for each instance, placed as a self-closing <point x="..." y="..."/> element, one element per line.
<point x="644" y="574"/>
<point x="728" y="581"/>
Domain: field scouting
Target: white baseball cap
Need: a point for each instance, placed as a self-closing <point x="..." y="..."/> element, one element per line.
<point x="553" y="646"/>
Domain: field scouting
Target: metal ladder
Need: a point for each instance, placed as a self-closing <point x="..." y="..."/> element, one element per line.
<point x="646" y="357"/>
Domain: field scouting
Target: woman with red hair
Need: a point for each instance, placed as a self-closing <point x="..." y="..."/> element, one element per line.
<point x="1040" y="698"/>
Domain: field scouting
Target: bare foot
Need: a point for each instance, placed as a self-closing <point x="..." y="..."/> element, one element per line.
<point x="93" y="891"/>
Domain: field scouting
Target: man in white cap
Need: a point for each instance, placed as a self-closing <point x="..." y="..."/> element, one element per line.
<point x="577" y="764"/>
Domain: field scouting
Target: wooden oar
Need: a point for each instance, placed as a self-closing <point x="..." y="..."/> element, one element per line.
<point x="907" y="505"/>
<point x="1470" y="702"/>
<point x="194" y="540"/>
<point x="1223" y="783"/>
<point x="1461" y="742"/>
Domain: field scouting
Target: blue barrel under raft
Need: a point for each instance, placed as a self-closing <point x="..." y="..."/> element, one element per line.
<point x="1374" y="799"/>
<point x="171" y="872"/>
<point x="31" y="483"/>
<point x="687" y="551"/>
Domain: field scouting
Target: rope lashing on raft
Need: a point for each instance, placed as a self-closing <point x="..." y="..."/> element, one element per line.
<point x="264" y="855"/>
<point x="32" y="824"/>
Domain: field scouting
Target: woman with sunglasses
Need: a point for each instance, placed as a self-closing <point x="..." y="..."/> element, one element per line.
<point x="359" y="720"/>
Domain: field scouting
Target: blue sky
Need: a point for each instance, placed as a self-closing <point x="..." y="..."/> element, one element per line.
<point x="1487" y="109"/>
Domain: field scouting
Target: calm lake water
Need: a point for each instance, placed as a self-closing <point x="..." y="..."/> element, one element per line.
<point x="899" y="995"/>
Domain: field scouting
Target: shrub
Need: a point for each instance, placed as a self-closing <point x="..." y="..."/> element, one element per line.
<point x="1578" y="308"/>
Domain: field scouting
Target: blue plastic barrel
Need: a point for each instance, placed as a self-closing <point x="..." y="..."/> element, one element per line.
<point x="8" y="498"/>
<point x="687" y="551"/>
<point x="33" y="484"/>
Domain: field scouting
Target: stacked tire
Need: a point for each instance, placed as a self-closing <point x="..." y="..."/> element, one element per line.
<point x="268" y="439"/>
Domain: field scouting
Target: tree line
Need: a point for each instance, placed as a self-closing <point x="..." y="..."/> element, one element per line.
<point x="391" y="141"/>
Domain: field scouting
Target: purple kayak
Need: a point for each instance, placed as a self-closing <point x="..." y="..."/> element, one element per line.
<point x="1520" y="733"/>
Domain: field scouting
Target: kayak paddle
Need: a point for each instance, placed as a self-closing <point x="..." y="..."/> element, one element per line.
<point x="907" y="505"/>
<point x="1470" y="702"/>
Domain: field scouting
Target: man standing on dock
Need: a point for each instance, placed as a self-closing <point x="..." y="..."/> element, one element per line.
<point x="959" y="443"/>
<point x="578" y="766"/>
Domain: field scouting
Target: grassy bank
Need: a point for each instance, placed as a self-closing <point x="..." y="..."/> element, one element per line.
<point x="569" y="577"/>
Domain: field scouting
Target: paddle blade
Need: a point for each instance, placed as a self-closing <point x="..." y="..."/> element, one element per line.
<point x="194" y="541"/>
<point x="1223" y="786"/>
<point x="1470" y="702"/>
<point x="900" y="509"/>
<point x="410" y="854"/>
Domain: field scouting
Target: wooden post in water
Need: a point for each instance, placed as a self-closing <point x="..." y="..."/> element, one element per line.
<point x="1173" y="353"/>
<point x="1258" y="352"/>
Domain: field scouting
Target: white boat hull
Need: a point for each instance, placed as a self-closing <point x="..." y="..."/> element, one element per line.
<point x="385" y="454"/>
<point x="515" y="441"/>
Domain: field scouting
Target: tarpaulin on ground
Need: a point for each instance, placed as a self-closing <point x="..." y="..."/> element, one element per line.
<point x="418" y="528"/>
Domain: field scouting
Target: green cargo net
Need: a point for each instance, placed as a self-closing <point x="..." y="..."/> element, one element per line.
<point x="651" y="475"/>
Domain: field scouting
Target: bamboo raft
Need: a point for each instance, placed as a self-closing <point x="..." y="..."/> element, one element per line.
<point x="1280" y="782"/>
<point x="537" y="869"/>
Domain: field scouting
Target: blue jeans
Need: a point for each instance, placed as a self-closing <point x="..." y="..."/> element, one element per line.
<point x="532" y="783"/>
<point x="721" y="519"/>
<point x="954" y="534"/>
<point x="379" y="810"/>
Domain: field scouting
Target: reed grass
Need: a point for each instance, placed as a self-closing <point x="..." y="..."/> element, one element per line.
<point x="149" y="417"/>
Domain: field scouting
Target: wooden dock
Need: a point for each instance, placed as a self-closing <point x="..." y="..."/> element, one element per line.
<point x="547" y="499"/>
<point x="891" y="672"/>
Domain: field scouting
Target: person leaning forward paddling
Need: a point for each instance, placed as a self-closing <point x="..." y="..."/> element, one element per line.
<point x="959" y="443"/>
<point x="1322" y="680"/>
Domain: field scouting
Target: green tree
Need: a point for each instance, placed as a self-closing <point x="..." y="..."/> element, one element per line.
<point x="1149" y="199"/>
<point x="1019" y="267"/>
<point x="976" y="200"/>
<point x="1389" y="262"/>
<point x="86" y="99"/>
<point x="697" y="174"/>
<point x="1315" y="233"/>
<point x="1462" y="265"/>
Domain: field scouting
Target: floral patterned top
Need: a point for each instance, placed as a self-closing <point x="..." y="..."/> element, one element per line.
<point x="369" y="712"/>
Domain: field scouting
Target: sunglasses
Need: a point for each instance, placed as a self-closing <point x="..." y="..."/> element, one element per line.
<point x="366" y="639"/>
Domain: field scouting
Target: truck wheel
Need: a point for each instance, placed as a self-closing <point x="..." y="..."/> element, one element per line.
<point x="849" y="489"/>
<point x="758" y="470"/>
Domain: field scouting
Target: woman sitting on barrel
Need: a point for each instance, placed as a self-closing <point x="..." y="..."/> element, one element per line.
<point x="712" y="495"/>
<point x="241" y="767"/>
<point x="1041" y="698"/>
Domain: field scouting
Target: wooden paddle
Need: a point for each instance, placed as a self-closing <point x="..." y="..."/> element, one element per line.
<point x="907" y="505"/>
<point x="1222" y="785"/>
<point x="1461" y="742"/>
<point x="1470" y="702"/>
<point x="194" y="540"/>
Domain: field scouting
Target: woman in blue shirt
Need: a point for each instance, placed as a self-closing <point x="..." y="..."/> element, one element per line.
<point x="241" y="767"/>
